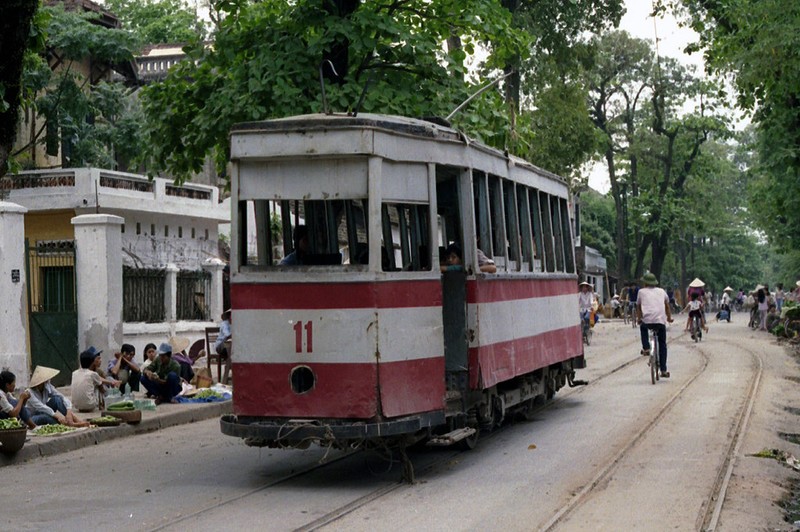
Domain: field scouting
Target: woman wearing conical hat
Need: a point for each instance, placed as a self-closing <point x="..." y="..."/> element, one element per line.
<point x="697" y="287"/>
<point x="47" y="405"/>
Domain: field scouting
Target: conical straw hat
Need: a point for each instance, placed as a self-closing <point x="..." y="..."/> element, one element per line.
<point x="727" y="289"/>
<point x="697" y="283"/>
<point x="179" y="343"/>
<point x="42" y="374"/>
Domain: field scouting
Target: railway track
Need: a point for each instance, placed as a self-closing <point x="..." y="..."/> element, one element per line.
<point x="375" y="495"/>
<point x="716" y="497"/>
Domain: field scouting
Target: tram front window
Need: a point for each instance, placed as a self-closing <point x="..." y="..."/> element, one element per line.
<point x="302" y="232"/>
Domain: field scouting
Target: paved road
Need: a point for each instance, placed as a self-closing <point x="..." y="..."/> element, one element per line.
<point x="607" y="456"/>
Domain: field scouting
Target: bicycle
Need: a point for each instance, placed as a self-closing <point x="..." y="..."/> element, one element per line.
<point x="587" y="328"/>
<point x="697" y="329"/>
<point x="654" y="361"/>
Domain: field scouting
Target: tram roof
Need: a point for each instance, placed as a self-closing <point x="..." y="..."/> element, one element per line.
<point x="434" y="128"/>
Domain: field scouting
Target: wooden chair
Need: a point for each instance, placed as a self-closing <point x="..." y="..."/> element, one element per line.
<point x="211" y="354"/>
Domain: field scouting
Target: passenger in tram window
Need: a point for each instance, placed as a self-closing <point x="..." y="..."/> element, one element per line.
<point x="452" y="258"/>
<point x="485" y="264"/>
<point x="301" y="247"/>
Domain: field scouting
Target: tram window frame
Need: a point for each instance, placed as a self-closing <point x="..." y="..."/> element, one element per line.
<point x="569" y="248"/>
<point x="413" y="235"/>
<point x="533" y="208"/>
<point x="558" y="237"/>
<point x="547" y="232"/>
<point x="497" y="220"/>
<point x="480" y="188"/>
<point x="336" y="227"/>
<point x="511" y="224"/>
<point x="526" y="229"/>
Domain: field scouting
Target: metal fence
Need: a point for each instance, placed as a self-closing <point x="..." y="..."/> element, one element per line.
<point x="194" y="289"/>
<point x="143" y="294"/>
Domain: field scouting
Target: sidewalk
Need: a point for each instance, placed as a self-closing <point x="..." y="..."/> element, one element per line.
<point x="165" y="415"/>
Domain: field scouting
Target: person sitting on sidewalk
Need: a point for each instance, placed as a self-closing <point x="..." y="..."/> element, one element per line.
<point x="161" y="378"/>
<point x="124" y="369"/>
<point x="10" y="407"/>
<point x="88" y="387"/>
<point x="47" y="405"/>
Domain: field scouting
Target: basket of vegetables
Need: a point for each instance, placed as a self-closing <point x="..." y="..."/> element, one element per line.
<point x="125" y="411"/>
<point x="106" y="421"/>
<point x="12" y="435"/>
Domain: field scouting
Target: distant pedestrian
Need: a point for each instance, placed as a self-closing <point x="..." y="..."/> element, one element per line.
<point x="779" y="297"/>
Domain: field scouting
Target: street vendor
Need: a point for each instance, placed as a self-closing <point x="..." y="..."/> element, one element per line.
<point x="11" y="407"/>
<point x="124" y="369"/>
<point x="88" y="387"/>
<point x="47" y="405"/>
<point x="162" y="379"/>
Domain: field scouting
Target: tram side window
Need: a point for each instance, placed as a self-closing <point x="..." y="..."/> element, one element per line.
<point x="566" y="232"/>
<point x="536" y="219"/>
<point x="555" y="213"/>
<point x="499" y="244"/>
<point x="405" y="230"/>
<point x="333" y="232"/>
<point x="512" y="225"/>
<point x="525" y="229"/>
<point x="547" y="232"/>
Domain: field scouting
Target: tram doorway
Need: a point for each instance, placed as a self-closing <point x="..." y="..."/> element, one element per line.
<point x="52" y="306"/>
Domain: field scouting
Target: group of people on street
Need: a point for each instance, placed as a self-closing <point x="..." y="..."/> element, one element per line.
<point x="159" y="373"/>
<point x="653" y="307"/>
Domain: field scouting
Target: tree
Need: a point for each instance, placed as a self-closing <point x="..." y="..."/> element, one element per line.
<point x="158" y="21"/>
<point x="15" y="37"/>
<point x="651" y="146"/>
<point x="598" y="223"/>
<point x="82" y="115"/>
<point x="755" y="41"/>
<point x="266" y="58"/>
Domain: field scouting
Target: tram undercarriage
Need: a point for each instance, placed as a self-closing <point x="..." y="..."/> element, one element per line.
<point x="465" y="416"/>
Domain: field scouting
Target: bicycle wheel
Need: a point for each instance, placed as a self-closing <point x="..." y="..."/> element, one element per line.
<point x="653" y="363"/>
<point x="657" y="357"/>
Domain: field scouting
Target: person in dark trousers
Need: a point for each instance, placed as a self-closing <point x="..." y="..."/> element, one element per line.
<point x="162" y="379"/>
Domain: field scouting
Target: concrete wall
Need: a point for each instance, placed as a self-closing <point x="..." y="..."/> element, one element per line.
<point x="13" y="293"/>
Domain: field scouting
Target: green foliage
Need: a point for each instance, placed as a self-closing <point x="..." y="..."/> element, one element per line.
<point x="100" y="123"/>
<point x="265" y="61"/>
<point x="755" y="41"/>
<point x="598" y="223"/>
<point x="158" y="21"/>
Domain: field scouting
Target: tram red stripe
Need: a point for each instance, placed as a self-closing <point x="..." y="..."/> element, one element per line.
<point x="346" y="391"/>
<point x="298" y="296"/>
<point x="493" y="363"/>
<point x="495" y="289"/>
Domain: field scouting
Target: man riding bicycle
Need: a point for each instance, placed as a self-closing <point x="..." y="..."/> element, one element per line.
<point x="652" y="309"/>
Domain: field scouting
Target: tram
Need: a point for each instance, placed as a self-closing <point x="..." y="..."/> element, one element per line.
<point x="360" y="338"/>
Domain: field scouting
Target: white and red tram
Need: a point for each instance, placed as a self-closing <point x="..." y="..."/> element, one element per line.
<point x="363" y="339"/>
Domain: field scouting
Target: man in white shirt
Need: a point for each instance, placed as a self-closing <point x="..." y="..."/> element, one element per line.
<point x="652" y="307"/>
<point x="87" y="384"/>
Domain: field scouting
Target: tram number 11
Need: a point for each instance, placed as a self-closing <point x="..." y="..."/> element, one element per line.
<point x="298" y="337"/>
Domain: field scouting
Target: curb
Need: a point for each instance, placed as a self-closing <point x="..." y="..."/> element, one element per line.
<point x="166" y="416"/>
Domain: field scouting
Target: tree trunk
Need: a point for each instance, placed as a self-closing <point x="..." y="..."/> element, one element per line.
<point x="15" y="27"/>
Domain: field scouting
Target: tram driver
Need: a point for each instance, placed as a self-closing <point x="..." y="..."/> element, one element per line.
<point x="301" y="247"/>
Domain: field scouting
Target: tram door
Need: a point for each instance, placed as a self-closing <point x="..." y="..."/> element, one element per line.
<point x="454" y="282"/>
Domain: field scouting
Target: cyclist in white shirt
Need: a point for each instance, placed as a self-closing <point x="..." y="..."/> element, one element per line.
<point x="652" y="308"/>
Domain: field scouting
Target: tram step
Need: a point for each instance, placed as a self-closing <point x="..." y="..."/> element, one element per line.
<point x="450" y="438"/>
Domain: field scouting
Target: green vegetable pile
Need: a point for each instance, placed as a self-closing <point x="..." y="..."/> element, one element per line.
<point x="10" y="423"/>
<point x="104" y="419"/>
<point x="122" y="406"/>
<point x="205" y="394"/>
<point x="48" y="430"/>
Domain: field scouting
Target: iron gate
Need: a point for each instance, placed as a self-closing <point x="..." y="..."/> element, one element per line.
<point x="52" y="306"/>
